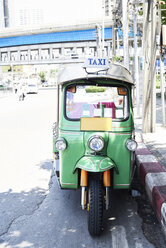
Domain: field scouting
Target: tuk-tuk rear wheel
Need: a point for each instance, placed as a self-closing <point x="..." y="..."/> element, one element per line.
<point x="95" y="214"/>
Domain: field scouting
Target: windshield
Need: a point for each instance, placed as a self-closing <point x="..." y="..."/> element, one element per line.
<point x="96" y="101"/>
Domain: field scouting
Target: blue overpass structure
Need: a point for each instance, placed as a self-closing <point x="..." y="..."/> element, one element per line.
<point x="55" y="37"/>
<point x="67" y="36"/>
<point x="55" y="44"/>
<point x="52" y="44"/>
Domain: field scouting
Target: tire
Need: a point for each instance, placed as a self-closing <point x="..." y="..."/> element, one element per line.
<point x="95" y="217"/>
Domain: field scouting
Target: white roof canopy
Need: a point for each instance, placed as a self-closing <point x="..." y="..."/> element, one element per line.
<point x="78" y="72"/>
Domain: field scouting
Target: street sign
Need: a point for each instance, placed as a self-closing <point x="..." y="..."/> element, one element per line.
<point x="101" y="63"/>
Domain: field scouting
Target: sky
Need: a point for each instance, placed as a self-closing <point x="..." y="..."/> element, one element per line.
<point x="63" y="10"/>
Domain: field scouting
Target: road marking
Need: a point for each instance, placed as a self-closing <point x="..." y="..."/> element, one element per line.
<point x="119" y="237"/>
<point x="138" y="245"/>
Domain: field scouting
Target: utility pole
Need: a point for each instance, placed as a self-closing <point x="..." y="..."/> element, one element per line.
<point x="98" y="40"/>
<point x="162" y="78"/>
<point x="136" y="74"/>
<point x="114" y="29"/>
<point x="1" y="14"/>
<point x="149" y="92"/>
<point x="6" y="13"/>
<point x="125" y="33"/>
<point x="162" y="88"/>
<point x="103" y="6"/>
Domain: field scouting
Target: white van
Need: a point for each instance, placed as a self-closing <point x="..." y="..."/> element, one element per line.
<point x="32" y="88"/>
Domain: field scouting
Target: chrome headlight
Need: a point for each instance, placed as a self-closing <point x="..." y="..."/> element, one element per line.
<point x="60" y="144"/>
<point x="131" y="145"/>
<point x="96" y="143"/>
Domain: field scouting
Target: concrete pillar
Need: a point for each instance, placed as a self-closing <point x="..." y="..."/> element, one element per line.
<point x="62" y="52"/>
<point x="8" y="56"/>
<point x="18" y="55"/>
<point x="29" y="54"/>
<point x="51" y="53"/>
<point x="39" y="53"/>
<point x="149" y="96"/>
<point x="125" y="34"/>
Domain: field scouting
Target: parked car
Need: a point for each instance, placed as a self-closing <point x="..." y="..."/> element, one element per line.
<point x="32" y="88"/>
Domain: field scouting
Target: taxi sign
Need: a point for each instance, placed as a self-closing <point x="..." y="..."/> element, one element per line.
<point x="96" y="62"/>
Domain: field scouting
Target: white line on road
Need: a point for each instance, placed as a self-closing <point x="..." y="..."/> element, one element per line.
<point x="119" y="237"/>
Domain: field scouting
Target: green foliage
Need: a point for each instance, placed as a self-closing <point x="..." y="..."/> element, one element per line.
<point x="140" y="9"/>
<point x="42" y="76"/>
<point x="163" y="13"/>
<point x="140" y="12"/>
<point x="117" y="59"/>
<point x="52" y="72"/>
<point x="158" y="81"/>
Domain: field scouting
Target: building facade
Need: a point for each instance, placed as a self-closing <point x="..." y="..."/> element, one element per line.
<point x="4" y="14"/>
<point x="23" y="14"/>
<point x="1" y="14"/>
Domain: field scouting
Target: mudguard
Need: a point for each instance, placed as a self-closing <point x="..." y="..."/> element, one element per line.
<point x="95" y="164"/>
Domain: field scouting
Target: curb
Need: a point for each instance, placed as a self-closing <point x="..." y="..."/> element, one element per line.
<point x="153" y="178"/>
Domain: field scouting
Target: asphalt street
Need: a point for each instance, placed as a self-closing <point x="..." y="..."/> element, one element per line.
<point x="34" y="212"/>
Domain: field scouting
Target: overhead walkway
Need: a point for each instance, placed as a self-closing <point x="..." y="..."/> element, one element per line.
<point x="54" y="37"/>
<point x="51" y="44"/>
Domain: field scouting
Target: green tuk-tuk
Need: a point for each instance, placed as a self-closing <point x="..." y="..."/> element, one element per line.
<point x="93" y="136"/>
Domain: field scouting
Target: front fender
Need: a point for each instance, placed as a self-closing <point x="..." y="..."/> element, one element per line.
<point x="95" y="163"/>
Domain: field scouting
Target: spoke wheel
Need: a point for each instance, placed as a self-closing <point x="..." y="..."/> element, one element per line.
<point x="95" y="217"/>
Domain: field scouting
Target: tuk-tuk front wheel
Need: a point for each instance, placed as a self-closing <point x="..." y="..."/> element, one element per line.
<point x="95" y="217"/>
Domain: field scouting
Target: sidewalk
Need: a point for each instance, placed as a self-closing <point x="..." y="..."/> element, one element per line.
<point x="151" y="161"/>
<point x="155" y="142"/>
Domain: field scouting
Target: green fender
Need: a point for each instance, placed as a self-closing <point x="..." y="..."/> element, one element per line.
<point x="95" y="164"/>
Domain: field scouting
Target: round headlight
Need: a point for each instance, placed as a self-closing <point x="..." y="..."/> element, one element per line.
<point x="96" y="143"/>
<point x="60" y="144"/>
<point x="131" y="145"/>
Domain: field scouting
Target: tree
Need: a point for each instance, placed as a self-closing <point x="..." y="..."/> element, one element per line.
<point x="163" y="12"/>
<point x="42" y="76"/>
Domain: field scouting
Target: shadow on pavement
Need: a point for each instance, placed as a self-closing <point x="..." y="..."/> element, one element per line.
<point x="15" y="205"/>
